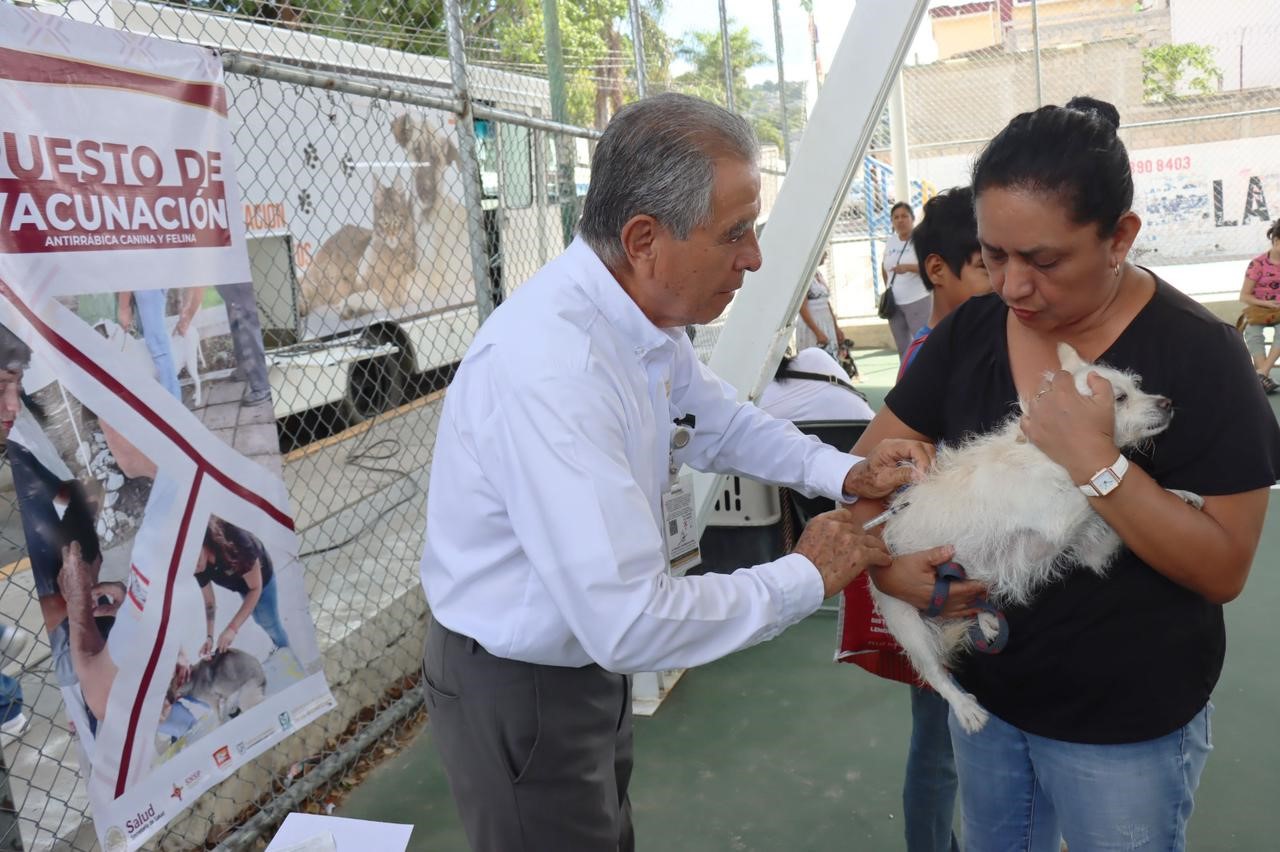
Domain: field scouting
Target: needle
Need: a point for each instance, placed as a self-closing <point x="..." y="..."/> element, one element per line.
<point x="885" y="515"/>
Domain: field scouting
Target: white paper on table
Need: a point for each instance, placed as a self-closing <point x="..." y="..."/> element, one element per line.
<point x="349" y="835"/>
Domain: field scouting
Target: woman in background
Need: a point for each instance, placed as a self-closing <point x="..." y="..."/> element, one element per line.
<point x="900" y="271"/>
<point x="1261" y="297"/>
<point x="818" y="326"/>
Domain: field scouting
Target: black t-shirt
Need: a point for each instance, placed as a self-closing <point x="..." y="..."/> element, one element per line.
<point x="220" y="573"/>
<point x="1132" y="656"/>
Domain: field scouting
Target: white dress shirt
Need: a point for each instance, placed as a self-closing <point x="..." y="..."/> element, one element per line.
<point x="544" y="513"/>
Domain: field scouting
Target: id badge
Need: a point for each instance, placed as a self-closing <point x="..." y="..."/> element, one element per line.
<point x="678" y="520"/>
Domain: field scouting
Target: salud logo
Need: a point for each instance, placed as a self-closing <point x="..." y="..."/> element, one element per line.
<point x="116" y="841"/>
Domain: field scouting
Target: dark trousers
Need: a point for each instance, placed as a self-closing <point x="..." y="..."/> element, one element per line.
<point x="538" y="757"/>
<point x="246" y="334"/>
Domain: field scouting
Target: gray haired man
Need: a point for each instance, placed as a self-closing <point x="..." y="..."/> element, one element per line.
<point x="545" y="563"/>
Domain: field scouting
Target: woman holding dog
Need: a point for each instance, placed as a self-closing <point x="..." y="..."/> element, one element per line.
<point x="1261" y="297"/>
<point x="1100" y="702"/>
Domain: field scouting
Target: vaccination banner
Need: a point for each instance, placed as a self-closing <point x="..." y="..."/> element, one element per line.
<point x="144" y="449"/>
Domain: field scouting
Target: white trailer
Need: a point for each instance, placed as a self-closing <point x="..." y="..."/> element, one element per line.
<point x="354" y="205"/>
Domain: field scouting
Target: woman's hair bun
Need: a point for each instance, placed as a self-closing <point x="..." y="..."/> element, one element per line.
<point x="1101" y="109"/>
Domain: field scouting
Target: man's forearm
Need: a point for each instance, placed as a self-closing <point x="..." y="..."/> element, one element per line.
<point x="84" y="636"/>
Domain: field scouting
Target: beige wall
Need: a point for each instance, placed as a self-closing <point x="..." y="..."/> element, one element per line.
<point x="965" y="33"/>
<point x="1061" y="22"/>
<point x="972" y="98"/>
<point x="1052" y="10"/>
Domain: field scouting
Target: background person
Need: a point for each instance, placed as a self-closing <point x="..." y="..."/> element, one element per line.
<point x="818" y="326"/>
<point x="545" y="565"/>
<point x="822" y="391"/>
<point x="900" y="272"/>
<point x="1100" y="702"/>
<point x="155" y="332"/>
<point x="1261" y="297"/>
<point x="14" y="359"/>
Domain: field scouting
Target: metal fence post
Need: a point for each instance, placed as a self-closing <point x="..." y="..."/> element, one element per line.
<point x="898" y="140"/>
<point x="782" y="85"/>
<point x="637" y="44"/>
<point x="470" y="167"/>
<point x="1035" y="37"/>
<point x="560" y="112"/>
<point x="728" y="64"/>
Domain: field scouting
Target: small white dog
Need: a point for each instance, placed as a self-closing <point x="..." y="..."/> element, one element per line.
<point x="185" y="349"/>
<point x="187" y="354"/>
<point x="1017" y="522"/>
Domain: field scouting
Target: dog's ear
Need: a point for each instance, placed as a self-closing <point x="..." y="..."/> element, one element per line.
<point x="1070" y="358"/>
<point x="450" y="153"/>
<point x="400" y="129"/>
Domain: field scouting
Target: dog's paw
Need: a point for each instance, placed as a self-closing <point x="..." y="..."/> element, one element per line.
<point x="970" y="713"/>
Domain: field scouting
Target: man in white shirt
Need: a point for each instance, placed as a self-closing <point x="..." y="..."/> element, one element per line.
<point x="811" y="385"/>
<point x="545" y="564"/>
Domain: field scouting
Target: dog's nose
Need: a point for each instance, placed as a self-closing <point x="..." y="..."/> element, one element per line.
<point x="1164" y="403"/>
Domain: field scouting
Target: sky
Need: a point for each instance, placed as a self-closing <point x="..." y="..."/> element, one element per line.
<point x="831" y="17"/>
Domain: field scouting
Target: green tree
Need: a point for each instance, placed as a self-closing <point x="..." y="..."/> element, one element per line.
<point x="1166" y="68"/>
<point x="596" y="41"/>
<point x="759" y="103"/>
<point x="595" y="38"/>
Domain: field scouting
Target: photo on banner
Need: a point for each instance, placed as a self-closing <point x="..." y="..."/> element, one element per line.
<point x="144" y="449"/>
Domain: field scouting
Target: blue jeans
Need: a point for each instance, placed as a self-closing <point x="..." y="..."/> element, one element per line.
<point x="10" y="698"/>
<point x="179" y="721"/>
<point x="267" y="615"/>
<point x="929" y="791"/>
<point x="156" y="334"/>
<point x="1022" y="792"/>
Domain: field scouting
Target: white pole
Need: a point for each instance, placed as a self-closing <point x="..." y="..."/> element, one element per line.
<point x="848" y="107"/>
<point x="898" y="142"/>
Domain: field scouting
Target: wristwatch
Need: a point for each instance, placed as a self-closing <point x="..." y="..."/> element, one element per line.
<point x="1106" y="480"/>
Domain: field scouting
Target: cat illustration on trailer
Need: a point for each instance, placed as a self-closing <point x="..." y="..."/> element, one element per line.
<point x="359" y="270"/>
<point x="418" y="240"/>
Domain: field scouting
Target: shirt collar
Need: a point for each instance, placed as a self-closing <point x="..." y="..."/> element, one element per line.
<point x="618" y="308"/>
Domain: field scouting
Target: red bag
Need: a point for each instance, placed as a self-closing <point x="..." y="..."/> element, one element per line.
<point x="865" y="641"/>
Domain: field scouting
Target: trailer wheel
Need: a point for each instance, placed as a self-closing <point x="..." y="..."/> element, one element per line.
<point x="376" y="385"/>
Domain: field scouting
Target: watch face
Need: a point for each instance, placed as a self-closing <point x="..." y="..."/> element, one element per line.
<point x="1105" y="481"/>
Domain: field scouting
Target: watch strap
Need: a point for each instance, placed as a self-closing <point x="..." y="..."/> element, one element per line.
<point x="1117" y="469"/>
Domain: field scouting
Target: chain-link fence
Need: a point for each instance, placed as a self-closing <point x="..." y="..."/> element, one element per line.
<point x="403" y="168"/>
<point x="1199" y="101"/>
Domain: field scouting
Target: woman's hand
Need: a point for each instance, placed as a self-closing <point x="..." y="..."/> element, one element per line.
<point x="893" y="463"/>
<point x="228" y="636"/>
<point x="1076" y="431"/>
<point x="912" y="576"/>
<point x="821" y="338"/>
